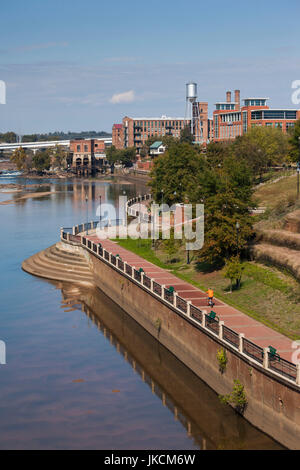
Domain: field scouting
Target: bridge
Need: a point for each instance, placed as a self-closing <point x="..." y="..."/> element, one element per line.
<point x="35" y="145"/>
<point x="43" y="144"/>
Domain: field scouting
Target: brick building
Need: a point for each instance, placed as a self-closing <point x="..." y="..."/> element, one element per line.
<point x="87" y="155"/>
<point x="231" y="120"/>
<point x="134" y="132"/>
<point x="118" y="136"/>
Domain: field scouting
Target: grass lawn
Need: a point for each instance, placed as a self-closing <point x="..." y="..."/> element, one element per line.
<point x="266" y="294"/>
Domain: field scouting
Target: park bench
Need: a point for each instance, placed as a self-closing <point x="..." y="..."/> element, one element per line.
<point x="213" y="316"/>
<point x="273" y="354"/>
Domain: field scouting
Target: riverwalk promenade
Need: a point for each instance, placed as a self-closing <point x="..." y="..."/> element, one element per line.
<point x="255" y="331"/>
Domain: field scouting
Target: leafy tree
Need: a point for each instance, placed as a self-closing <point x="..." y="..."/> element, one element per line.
<point x="125" y="156"/>
<point x="234" y="270"/>
<point x="176" y="174"/>
<point x="59" y="157"/>
<point x="8" y="137"/>
<point x="42" y="160"/>
<point x="19" y="158"/>
<point x="216" y="153"/>
<point x="112" y="154"/>
<point x="186" y="135"/>
<point x="294" y="142"/>
<point x="262" y="147"/>
<point x="227" y="195"/>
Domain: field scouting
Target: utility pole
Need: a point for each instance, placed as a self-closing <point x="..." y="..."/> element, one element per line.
<point x="237" y="226"/>
<point x="87" y="213"/>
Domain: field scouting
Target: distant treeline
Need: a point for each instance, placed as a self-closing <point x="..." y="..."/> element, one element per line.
<point x="11" y="137"/>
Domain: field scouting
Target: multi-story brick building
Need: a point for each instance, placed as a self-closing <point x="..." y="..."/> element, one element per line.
<point x="134" y="132"/>
<point x="87" y="154"/>
<point x="231" y="120"/>
<point x="118" y="136"/>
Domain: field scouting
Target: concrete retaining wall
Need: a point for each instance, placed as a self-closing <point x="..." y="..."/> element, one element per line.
<point x="273" y="406"/>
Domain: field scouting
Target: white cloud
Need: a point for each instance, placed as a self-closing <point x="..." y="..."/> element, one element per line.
<point x="125" y="97"/>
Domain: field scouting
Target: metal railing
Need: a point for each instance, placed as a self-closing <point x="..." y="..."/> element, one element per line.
<point x="272" y="362"/>
<point x="282" y="367"/>
<point x="252" y="350"/>
<point x="231" y="336"/>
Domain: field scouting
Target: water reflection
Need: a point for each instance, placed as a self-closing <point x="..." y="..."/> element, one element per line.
<point x="208" y="423"/>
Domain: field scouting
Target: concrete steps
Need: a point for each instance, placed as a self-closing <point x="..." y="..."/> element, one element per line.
<point x="59" y="264"/>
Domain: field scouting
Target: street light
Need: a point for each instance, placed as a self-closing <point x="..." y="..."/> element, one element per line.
<point x="100" y="216"/>
<point x="87" y="213"/>
<point x="237" y="227"/>
<point x="298" y="171"/>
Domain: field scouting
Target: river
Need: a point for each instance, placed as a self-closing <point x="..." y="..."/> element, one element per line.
<point x="79" y="372"/>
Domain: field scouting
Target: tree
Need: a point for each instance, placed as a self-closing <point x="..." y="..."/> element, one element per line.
<point x="59" y="157"/>
<point x="41" y="160"/>
<point x="176" y="174"/>
<point x="234" y="270"/>
<point x="294" y="142"/>
<point x="19" y="158"/>
<point x="216" y="153"/>
<point x="8" y="137"/>
<point x="125" y="156"/>
<point x="186" y="135"/>
<point x="262" y="147"/>
<point x="227" y="195"/>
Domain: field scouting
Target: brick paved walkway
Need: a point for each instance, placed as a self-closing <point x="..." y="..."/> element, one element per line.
<point x="233" y="318"/>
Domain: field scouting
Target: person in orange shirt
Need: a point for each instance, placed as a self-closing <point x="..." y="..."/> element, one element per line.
<point x="210" y="294"/>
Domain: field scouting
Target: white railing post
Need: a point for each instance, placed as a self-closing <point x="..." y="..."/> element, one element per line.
<point x="74" y="230"/>
<point x="221" y="323"/>
<point x="266" y="358"/>
<point x="132" y="272"/>
<point x="151" y="284"/>
<point x="175" y="299"/>
<point x="188" y="308"/>
<point x="109" y="256"/>
<point x="163" y="292"/>
<point x="68" y="237"/>
<point x="81" y="240"/>
<point x="204" y="312"/>
<point x="298" y="374"/>
<point x="241" y="336"/>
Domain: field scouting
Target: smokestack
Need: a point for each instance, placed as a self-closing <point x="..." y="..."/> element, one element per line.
<point x="237" y="99"/>
<point x="228" y="96"/>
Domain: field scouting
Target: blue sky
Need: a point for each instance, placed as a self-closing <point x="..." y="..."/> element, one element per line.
<point x="83" y="65"/>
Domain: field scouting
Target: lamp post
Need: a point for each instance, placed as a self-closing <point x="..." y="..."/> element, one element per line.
<point x="87" y="213"/>
<point x="237" y="227"/>
<point x="298" y="170"/>
<point x="100" y="216"/>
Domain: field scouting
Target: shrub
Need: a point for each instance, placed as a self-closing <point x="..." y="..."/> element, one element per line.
<point x="222" y="359"/>
<point x="237" y="397"/>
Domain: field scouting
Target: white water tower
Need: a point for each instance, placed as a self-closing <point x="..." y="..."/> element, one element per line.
<point x="192" y="111"/>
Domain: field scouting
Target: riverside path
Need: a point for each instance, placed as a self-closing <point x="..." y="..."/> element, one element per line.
<point x="255" y="331"/>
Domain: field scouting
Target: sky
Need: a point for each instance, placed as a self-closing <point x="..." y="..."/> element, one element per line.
<point x="75" y="65"/>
